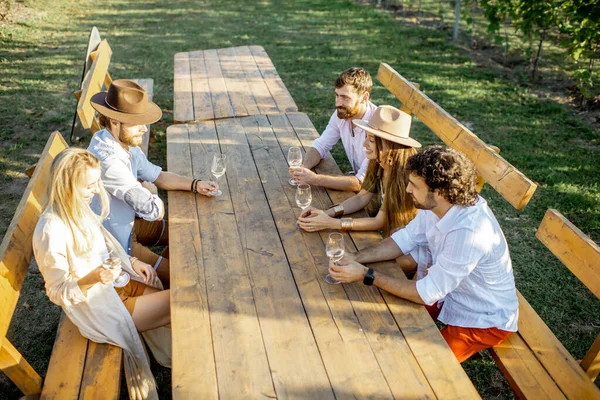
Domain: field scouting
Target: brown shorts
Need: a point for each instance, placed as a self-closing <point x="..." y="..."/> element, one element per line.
<point x="129" y="294"/>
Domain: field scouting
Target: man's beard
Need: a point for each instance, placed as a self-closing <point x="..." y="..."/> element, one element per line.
<point x="129" y="139"/>
<point x="345" y="113"/>
<point x="429" y="203"/>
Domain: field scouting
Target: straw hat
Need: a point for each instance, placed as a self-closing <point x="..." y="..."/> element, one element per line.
<point x="391" y="124"/>
<point x="126" y="102"/>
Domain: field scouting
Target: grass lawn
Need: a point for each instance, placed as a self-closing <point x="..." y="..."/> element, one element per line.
<point x="310" y="43"/>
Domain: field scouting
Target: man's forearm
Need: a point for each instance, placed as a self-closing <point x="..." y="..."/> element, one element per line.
<point x="311" y="158"/>
<point x="401" y="287"/>
<point x="170" y="181"/>
<point x="385" y="250"/>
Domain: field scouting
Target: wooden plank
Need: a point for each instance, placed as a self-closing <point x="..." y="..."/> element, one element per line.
<point x="282" y="96"/>
<point x="526" y="376"/>
<point x="262" y="97"/>
<point x="148" y="85"/>
<point x="480" y="180"/>
<point x="447" y="379"/>
<point x="18" y="369"/>
<point x="240" y="95"/>
<point x="296" y="366"/>
<point x="352" y="367"/>
<point x="183" y="103"/>
<point x="203" y="106"/>
<point x="591" y="361"/>
<point x="93" y="43"/>
<point x="515" y="187"/>
<point x="92" y="84"/>
<point x="63" y="379"/>
<point x="102" y="373"/>
<point x="193" y="371"/>
<point x="218" y="90"/>
<point x="241" y="360"/>
<point x="565" y="371"/>
<point x="16" y="248"/>
<point x="572" y="247"/>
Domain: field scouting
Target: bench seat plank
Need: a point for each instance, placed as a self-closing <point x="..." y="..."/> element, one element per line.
<point x="240" y="94"/>
<point x="101" y="377"/>
<point x="562" y="367"/>
<point x="256" y="83"/>
<point x="526" y="376"/>
<point x="63" y="379"/>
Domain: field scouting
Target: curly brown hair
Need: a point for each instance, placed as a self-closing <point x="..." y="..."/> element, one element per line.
<point x="448" y="171"/>
<point x="358" y="78"/>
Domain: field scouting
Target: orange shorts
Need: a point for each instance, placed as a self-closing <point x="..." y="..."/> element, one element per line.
<point x="464" y="342"/>
<point x="129" y="294"/>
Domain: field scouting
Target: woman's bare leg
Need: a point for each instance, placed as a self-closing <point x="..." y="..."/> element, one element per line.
<point x="152" y="309"/>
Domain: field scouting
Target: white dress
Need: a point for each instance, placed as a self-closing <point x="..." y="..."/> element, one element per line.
<point x="100" y="315"/>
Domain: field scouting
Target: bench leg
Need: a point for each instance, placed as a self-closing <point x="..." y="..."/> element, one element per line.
<point x="18" y="370"/>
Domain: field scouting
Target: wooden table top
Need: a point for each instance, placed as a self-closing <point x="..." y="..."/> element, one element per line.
<point x="251" y="314"/>
<point x="224" y="83"/>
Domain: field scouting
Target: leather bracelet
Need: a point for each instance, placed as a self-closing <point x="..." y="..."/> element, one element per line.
<point x="338" y="210"/>
<point x="346" y="224"/>
<point x="193" y="186"/>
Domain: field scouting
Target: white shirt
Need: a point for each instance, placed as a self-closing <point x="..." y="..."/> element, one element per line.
<point x="120" y="172"/>
<point x="353" y="141"/>
<point x="471" y="270"/>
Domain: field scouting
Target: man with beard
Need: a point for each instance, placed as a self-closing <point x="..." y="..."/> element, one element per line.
<point x="124" y="113"/>
<point x="466" y="279"/>
<point x="352" y="92"/>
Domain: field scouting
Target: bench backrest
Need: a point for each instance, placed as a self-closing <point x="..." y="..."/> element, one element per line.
<point x="16" y="249"/>
<point x="515" y="187"/>
<point x="582" y="256"/>
<point x="95" y="80"/>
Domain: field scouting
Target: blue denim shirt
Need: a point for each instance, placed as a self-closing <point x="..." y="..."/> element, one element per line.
<point x="120" y="172"/>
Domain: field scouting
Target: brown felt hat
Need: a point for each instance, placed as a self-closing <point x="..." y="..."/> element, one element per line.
<point x="391" y="124"/>
<point x="126" y="102"/>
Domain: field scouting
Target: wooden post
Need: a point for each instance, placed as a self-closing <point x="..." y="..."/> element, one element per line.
<point x="18" y="369"/>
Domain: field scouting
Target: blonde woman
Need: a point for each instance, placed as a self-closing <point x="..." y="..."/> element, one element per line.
<point x="388" y="147"/>
<point x="70" y="246"/>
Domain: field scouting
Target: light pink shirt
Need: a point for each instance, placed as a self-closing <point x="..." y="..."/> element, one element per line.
<point x="353" y="141"/>
<point x="471" y="270"/>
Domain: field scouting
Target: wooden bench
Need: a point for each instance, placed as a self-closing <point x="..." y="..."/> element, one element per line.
<point x="534" y="362"/>
<point x="78" y="368"/>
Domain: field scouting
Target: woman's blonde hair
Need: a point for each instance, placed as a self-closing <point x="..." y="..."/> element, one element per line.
<point x="67" y="175"/>
<point x="397" y="204"/>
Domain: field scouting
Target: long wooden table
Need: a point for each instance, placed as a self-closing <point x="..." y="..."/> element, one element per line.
<point x="224" y="83"/>
<point x="251" y="314"/>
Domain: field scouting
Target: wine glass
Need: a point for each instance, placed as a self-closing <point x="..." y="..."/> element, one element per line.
<point x="335" y="251"/>
<point x="111" y="263"/>
<point x="294" y="159"/>
<point x="303" y="196"/>
<point x="218" y="170"/>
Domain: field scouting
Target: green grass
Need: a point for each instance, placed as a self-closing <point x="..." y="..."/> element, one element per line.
<point x="310" y="42"/>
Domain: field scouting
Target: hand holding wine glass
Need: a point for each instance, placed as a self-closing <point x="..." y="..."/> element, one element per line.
<point x="294" y="159"/>
<point x="218" y="170"/>
<point x="335" y="251"/>
<point x="113" y="262"/>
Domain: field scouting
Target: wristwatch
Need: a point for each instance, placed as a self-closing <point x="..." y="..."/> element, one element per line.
<point x="369" y="277"/>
